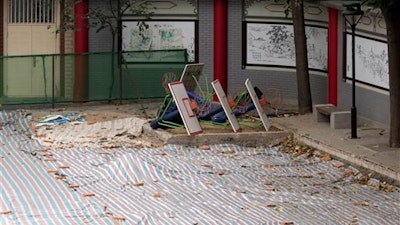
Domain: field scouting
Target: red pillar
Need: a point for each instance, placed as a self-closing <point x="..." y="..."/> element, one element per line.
<point x="220" y="42"/>
<point x="332" y="55"/>
<point x="81" y="48"/>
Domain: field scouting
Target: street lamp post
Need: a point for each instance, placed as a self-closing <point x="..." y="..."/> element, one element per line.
<point x="352" y="15"/>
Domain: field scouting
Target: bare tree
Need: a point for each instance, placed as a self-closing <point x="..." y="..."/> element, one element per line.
<point x="296" y="7"/>
<point x="300" y="41"/>
<point x="109" y="16"/>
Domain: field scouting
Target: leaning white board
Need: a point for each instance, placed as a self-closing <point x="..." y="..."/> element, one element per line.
<point x="191" y="74"/>
<point x="260" y="110"/>
<point x="225" y="105"/>
<point x="182" y="101"/>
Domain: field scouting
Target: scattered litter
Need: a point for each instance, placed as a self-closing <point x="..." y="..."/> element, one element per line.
<point x="59" y="119"/>
<point x="47" y="159"/>
<point x="118" y="217"/>
<point x="287" y="223"/>
<point x="156" y="195"/>
<point x="204" y="147"/>
<point x="160" y="154"/>
<point x="373" y="182"/>
<point x="5" y="212"/>
<point x="63" y="167"/>
<point x="270" y="189"/>
<point x="52" y="171"/>
<point x="88" y="194"/>
<point x="138" y="184"/>
<point x="240" y="191"/>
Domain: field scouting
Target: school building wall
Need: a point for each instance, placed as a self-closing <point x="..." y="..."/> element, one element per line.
<point x="372" y="104"/>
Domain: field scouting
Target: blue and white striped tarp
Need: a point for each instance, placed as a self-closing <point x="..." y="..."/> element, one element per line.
<point x="174" y="184"/>
<point x="29" y="195"/>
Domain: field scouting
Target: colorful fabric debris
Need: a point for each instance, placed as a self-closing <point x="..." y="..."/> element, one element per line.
<point x="60" y="119"/>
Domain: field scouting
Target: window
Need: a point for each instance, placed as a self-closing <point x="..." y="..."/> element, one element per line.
<point x="31" y="11"/>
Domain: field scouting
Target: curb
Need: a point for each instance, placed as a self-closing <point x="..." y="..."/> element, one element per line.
<point x="248" y="139"/>
<point x="352" y="159"/>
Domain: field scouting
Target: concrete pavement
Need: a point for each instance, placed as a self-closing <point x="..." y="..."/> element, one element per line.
<point x="369" y="150"/>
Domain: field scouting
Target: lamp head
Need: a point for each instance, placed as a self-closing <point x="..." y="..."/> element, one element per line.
<point x="353" y="12"/>
<point x="352" y="6"/>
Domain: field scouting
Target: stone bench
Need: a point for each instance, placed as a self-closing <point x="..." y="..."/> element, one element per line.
<point x="337" y="118"/>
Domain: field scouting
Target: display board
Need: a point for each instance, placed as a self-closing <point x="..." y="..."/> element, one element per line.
<point x="191" y="74"/>
<point x="158" y="35"/>
<point x="225" y="105"/>
<point x="260" y="110"/>
<point x="182" y="101"/>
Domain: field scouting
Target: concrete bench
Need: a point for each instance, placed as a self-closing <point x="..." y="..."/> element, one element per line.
<point x="337" y="118"/>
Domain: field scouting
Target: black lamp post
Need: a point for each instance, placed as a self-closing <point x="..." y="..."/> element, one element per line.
<point x="352" y="15"/>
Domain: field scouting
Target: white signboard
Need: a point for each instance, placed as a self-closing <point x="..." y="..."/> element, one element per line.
<point x="182" y="101"/>
<point x="256" y="102"/>
<point x="225" y="105"/>
<point x="191" y="74"/>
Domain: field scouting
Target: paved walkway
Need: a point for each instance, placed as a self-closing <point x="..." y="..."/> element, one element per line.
<point x="370" y="150"/>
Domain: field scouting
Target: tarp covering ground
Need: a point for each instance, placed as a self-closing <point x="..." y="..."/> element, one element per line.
<point x="174" y="184"/>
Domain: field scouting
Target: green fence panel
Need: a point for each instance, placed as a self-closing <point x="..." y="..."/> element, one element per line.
<point x="27" y="79"/>
<point x="146" y="80"/>
<point x="103" y="79"/>
<point x="60" y="78"/>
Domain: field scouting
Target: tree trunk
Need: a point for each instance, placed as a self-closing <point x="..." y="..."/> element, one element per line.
<point x="300" y="41"/>
<point x="393" y="38"/>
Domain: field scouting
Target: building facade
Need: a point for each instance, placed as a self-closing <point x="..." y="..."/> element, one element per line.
<point x="237" y="40"/>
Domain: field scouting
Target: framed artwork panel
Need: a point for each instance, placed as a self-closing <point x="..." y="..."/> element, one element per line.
<point x="148" y="36"/>
<point x="371" y="61"/>
<point x="272" y="44"/>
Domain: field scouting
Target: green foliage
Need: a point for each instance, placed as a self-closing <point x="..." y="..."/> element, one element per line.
<point x="107" y="16"/>
<point x="388" y="8"/>
<point x="110" y="17"/>
<point x="67" y="17"/>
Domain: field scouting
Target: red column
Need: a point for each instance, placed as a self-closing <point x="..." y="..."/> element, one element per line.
<point x="332" y="55"/>
<point x="81" y="46"/>
<point x="81" y="23"/>
<point x="220" y="42"/>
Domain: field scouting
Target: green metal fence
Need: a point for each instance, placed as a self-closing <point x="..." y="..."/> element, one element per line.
<point x="62" y="78"/>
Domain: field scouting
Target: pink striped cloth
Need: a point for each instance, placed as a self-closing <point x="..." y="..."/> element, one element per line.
<point x="175" y="184"/>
